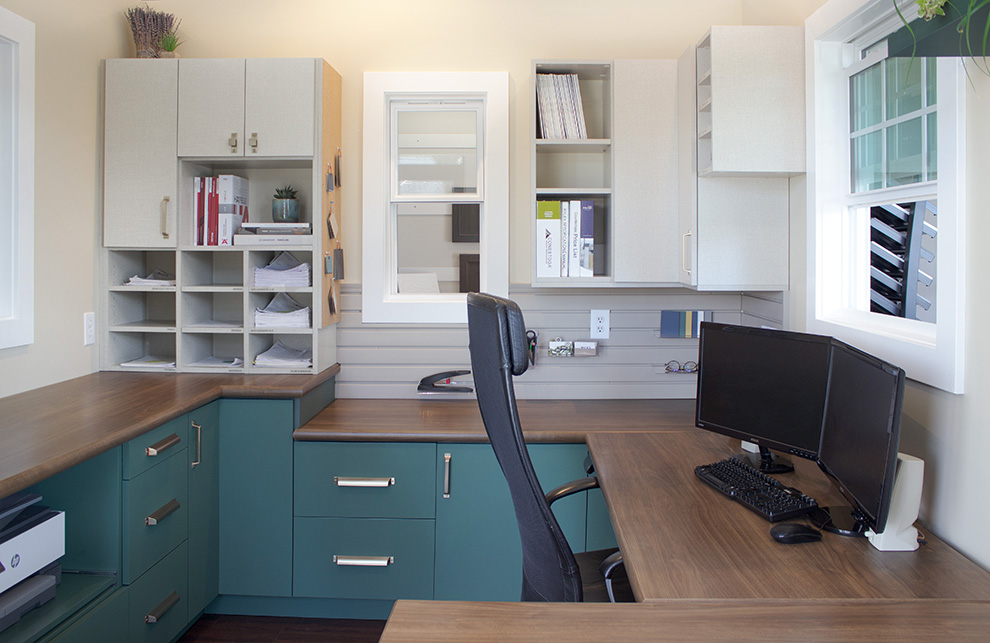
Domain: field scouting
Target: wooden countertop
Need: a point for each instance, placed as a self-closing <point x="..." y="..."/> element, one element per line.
<point x="433" y="420"/>
<point x="681" y="539"/>
<point x="52" y="428"/>
<point x="756" y="621"/>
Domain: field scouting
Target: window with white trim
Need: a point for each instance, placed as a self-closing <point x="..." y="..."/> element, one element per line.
<point x="16" y="180"/>
<point x="886" y="249"/>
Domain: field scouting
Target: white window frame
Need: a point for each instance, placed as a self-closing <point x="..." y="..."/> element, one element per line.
<point x="17" y="39"/>
<point x="929" y="353"/>
<point x="380" y="303"/>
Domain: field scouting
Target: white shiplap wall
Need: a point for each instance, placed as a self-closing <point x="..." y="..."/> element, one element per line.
<point x="388" y="360"/>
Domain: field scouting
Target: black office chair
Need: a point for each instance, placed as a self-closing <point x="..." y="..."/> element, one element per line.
<point x="551" y="572"/>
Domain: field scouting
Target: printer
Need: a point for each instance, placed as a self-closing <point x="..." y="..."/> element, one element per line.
<point x="32" y="539"/>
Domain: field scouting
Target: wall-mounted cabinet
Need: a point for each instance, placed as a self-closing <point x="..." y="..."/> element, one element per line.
<point x="750" y="100"/>
<point x="205" y="322"/>
<point x="625" y="168"/>
<point x="740" y="135"/>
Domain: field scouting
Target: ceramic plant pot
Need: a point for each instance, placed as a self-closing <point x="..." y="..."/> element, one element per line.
<point x="285" y="210"/>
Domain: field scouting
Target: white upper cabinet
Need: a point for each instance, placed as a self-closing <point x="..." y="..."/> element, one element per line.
<point x="750" y="101"/>
<point x="259" y="107"/>
<point x="139" y="198"/>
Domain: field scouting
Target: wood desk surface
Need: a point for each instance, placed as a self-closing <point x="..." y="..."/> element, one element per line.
<point x="52" y="428"/>
<point x="436" y="420"/>
<point x="756" y="621"/>
<point x="681" y="539"/>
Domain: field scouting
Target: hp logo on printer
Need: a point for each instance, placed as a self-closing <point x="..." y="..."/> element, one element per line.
<point x="15" y="561"/>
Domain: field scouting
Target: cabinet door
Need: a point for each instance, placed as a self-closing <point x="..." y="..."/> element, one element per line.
<point x="204" y="506"/>
<point x="139" y="179"/>
<point x="479" y="555"/>
<point x="256" y="488"/>
<point x="645" y="200"/>
<point x="280" y="106"/>
<point x="211" y="107"/>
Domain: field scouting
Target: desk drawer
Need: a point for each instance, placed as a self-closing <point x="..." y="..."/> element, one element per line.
<point x="157" y="602"/>
<point x="155" y="515"/>
<point x="365" y="480"/>
<point x="400" y="553"/>
<point x="144" y="452"/>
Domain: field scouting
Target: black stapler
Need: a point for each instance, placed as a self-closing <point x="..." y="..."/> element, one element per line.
<point x="442" y="383"/>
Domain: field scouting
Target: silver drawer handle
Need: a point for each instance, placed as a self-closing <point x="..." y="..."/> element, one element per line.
<point x="364" y="561"/>
<point x="162" y="445"/>
<point x="166" y="510"/>
<point x="159" y="612"/>
<point x="342" y="481"/>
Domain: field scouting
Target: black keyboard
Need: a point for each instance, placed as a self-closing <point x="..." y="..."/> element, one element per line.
<point x="756" y="490"/>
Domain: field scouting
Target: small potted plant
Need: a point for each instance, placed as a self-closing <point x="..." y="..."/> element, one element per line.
<point x="285" y="205"/>
<point x="168" y="44"/>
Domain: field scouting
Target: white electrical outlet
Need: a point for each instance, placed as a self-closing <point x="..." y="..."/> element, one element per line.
<point x="89" y="329"/>
<point x="599" y="324"/>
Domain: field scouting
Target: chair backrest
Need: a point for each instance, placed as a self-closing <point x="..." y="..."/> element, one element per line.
<point x="499" y="352"/>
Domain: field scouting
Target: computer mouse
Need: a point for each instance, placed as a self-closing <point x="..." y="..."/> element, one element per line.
<point x="789" y="533"/>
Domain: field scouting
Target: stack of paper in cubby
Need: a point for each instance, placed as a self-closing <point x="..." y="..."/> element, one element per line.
<point x="282" y="312"/>
<point x="156" y="278"/>
<point x="281" y="356"/>
<point x="284" y="271"/>
<point x="561" y="111"/>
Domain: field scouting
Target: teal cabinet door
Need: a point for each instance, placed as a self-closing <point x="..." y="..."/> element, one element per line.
<point x="256" y="497"/>
<point x="600" y="533"/>
<point x="105" y="622"/>
<point x="478" y="554"/>
<point x="204" y="506"/>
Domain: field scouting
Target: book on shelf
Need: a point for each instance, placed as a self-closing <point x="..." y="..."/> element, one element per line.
<point x="275" y="228"/>
<point x="548" y="236"/>
<point x="271" y="239"/>
<point x="566" y="238"/>
<point x="559" y="105"/>
<point x="685" y="324"/>
<point x="220" y="206"/>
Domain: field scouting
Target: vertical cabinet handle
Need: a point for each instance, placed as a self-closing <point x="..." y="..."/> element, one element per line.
<point x="199" y="445"/>
<point x="162" y="445"/>
<point x="166" y="510"/>
<point x="253" y="142"/>
<point x="446" y="475"/>
<point x="164" y="217"/>
<point x="684" y="255"/>
<point x="159" y="612"/>
<point x="232" y="142"/>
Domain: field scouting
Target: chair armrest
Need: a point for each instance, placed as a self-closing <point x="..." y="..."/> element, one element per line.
<point x="569" y="488"/>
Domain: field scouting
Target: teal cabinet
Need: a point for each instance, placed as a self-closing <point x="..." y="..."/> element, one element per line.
<point x="364" y="479"/>
<point x="107" y="621"/>
<point x="478" y="554"/>
<point x="599" y="532"/>
<point x="203" y="465"/>
<point x="256" y="494"/>
<point x="155" y="514"/>
<point x="374" y="558"/>
<point x="156" y="602"/>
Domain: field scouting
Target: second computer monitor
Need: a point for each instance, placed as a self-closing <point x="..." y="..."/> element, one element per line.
<point x="764" y="386"/>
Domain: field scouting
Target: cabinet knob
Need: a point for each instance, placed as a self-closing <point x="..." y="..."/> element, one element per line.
<point x="253" y="142"/>
<point x="232" y="142"/>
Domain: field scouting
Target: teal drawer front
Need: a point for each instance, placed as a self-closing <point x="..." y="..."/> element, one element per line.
<point x="154" y="615"/>
<point x="409" y="544"/>
<point x="144" y="452"/>
<point x="105" y="622"/>
<point x="152" y="524"/>
<point x="364" y="480"/>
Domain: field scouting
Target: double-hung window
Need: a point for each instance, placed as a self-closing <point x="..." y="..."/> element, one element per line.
<point x="886" y="251"/>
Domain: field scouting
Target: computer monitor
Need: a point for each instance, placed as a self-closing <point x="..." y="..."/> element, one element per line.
<point x="764" y="386"/>
<point x="860" y="438"/>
